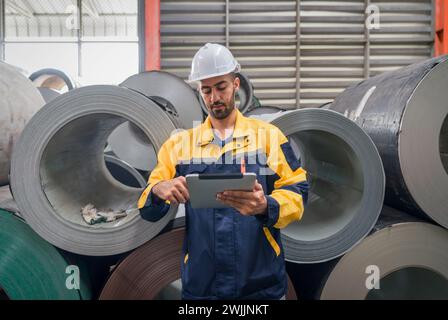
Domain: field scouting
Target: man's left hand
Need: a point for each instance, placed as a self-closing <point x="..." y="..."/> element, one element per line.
<point x="248" y="203"/>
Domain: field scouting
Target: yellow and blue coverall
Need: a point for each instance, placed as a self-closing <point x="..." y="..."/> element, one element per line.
<point x="228" y="255"/>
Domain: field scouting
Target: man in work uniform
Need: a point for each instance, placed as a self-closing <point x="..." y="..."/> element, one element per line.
<point x="234" y="252"/>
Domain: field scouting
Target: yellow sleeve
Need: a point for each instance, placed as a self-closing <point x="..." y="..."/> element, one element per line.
<point x="164" y="170"/>
<point x="286" y="202"/>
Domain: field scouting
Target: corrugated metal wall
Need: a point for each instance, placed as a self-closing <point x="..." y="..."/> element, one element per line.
<point x="334" y="48"/>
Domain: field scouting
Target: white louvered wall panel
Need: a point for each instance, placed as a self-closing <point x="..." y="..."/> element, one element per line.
<point x="333" y="42"/>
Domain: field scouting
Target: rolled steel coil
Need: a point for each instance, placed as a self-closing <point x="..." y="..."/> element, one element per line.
<point x="405" y="113"/>
<point x="174" y="96"/>
<point x="52" y="78"/>
<point x="58" y="167"/>
<point x="19" y="101"/>
<point x="403" y="258"/>
<point x="346" y="180"/>
<point x="153" y="271"/>
<point x="171" y="92"/>
<point x="244" y="95"/>
<point x="31" y="268"/>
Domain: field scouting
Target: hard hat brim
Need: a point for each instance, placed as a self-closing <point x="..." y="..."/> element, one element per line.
<point x="198" y="79"/>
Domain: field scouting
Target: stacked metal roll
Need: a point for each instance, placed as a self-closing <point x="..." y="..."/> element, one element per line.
<point x="410" y="258"/>
<point x="153" y="271"/>
<point x="31" y="268"/>
<point x="402" y="258"/>
<point x="405" y="113"/>
<point x="173" y="96"/>
<point x="346" y="180"/>
<point x="19" y="101"/>
<point x="58" y="168"/>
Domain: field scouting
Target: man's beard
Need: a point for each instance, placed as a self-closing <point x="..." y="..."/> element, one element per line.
<point x="223" y="111"/>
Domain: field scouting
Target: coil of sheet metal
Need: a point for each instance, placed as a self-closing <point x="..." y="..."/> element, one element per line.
<point x="402" y="258"/>
<point x="346" y="180"/>
<point x="58" y="168"/>
<point x="406" y="115"/>
<point x="173" y="96"/>
<point x="31" y="268"/>
<point x="19" y="101"/>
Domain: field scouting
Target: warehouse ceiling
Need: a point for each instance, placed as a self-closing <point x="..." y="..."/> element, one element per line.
<point x="48" y="18"/>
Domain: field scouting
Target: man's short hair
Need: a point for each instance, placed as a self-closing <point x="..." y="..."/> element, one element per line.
<point x="233" y="75"/>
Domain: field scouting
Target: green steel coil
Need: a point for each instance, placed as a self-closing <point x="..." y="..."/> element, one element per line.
<point x="31" y="268"/>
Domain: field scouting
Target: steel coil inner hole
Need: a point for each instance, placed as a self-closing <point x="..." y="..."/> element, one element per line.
<point x="73" y="171"/>
<point x="336" y="185"/>
<point x="411" y="283"/>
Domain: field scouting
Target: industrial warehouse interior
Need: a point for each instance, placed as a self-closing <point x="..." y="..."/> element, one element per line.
<point x="95" y="96"/>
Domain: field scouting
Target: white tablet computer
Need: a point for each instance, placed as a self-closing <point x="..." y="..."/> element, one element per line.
<point x="203" y="187"/>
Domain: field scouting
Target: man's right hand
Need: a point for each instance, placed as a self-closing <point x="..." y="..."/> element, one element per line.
<point x="174" y="190"/>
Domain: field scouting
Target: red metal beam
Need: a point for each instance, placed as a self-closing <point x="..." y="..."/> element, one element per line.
<point x="441" y="27"/>
<point x="152" y="35"/>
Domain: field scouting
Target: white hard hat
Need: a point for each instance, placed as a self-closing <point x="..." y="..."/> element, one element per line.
<point x="212" y="60"/>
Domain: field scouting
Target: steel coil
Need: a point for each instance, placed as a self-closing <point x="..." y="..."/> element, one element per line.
<point x="402" y="258"/>
<point x="31" y="268"/>
<point x="174" y="96"/>
<point x="171" y="92"/>
<point x="346" y="180"/>
<point x="153" y="271"/>
<point x="58" y="167"/>
<point x="405" y="113"/>
<point x="411" y="259"/>
<point x="19" y="101"/>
